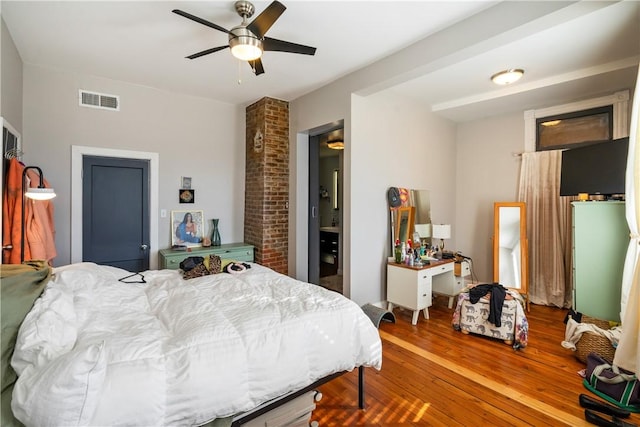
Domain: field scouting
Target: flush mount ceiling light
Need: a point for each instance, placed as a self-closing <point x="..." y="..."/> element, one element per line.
<point x="336" y="145"/>
<point x="507" y="76"/>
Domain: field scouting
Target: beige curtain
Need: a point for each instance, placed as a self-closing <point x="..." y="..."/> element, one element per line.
<point x="628" y="351"/>
<point x="548" y="228"/>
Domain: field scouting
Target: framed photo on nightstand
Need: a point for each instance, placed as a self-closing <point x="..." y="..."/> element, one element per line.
<point x="187" y="227"/>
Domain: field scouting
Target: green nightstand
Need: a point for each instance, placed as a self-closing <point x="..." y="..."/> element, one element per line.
<point x="170" y="259"/>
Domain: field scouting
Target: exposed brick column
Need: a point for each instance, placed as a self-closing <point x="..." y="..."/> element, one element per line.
<point x="266" y="212"/>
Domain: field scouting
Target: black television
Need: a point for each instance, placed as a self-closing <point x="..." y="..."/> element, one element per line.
<point x="597" y="168"/>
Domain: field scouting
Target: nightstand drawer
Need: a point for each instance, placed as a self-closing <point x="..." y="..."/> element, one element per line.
<point x="171" y="259"/>
<point x="245" y="255"/>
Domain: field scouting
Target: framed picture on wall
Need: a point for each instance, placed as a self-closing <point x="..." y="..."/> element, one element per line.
<point x="186" y="182"/>
<point x="187" y="227"/>
<point x="186" y="195"/>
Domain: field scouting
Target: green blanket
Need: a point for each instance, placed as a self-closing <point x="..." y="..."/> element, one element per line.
<point x="20" y="286"/>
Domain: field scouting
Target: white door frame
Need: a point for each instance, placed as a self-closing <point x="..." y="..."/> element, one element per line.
<point x="77" y="153"/>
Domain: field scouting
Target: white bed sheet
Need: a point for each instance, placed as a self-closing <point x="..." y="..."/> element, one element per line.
<point x="96" y="351"/>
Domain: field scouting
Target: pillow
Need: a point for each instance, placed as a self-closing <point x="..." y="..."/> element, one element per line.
<point x="64" y="392"/>
<point x="20" y="286"/>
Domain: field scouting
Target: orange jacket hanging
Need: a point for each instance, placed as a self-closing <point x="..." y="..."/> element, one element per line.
<point x="38" y="215"/>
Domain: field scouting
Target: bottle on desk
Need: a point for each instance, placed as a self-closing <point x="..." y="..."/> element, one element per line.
<point x="398" y="252"/>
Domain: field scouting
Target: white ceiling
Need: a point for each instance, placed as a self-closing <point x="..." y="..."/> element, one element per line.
<point x="575" y="56"/>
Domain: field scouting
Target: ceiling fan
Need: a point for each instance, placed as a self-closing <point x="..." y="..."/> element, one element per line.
<point x="247" y="40"/>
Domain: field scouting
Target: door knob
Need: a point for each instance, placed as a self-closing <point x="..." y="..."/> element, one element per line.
<point x="144" y="247"/>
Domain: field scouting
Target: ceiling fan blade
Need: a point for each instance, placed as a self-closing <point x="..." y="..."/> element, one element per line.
<point x="261" y="24"/>
<point x="256" y="66"/>
<point x="200" y="20"/>
<point x="283" y="46"/>
<point x="206" y="52"/>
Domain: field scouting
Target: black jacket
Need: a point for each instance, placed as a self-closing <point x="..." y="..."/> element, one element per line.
<point x="498" y="293"/>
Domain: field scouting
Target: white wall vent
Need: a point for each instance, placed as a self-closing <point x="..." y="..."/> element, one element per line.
<point x="99" y="100"/>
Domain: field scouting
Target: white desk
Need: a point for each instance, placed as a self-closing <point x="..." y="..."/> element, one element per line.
<point x="411" y="287"/>
<point x="461" y="271"/>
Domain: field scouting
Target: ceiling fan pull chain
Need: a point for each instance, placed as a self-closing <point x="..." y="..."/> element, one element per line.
<point x="239" y="72"/>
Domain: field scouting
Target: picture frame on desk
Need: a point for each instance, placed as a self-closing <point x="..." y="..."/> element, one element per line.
<point x="187" y="227"/>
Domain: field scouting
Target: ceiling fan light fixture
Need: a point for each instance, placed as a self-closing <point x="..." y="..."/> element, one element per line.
<point x="336" y="145"/>
<point x="506" y="77"/>
<point x="247" y="41"/>
<point x="246" y="48"/>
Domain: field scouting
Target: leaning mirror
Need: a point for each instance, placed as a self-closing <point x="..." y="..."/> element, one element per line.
<point x="402" y="219"/>
<point x="510" y="267"/>
<point x="422" y="222"/>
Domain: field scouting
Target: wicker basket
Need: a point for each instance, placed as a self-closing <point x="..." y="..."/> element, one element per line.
<point x="593" y="342"/>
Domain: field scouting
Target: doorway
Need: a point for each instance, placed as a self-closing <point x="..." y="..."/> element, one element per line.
<point x="325" y="214"/>
<point x="77" y="218"/>
<point x="115" y="212"/>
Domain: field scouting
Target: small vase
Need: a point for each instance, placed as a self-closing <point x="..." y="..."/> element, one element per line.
<point x="215" y="234"/>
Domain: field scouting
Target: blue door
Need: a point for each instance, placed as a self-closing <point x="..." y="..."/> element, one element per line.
<point x="115" y="212"/>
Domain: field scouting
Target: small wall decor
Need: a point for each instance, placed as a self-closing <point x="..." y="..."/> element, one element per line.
<point x="258" y="141"/>
<point x="186" y="182"/>
<point x="186" y="195"/>
<point x="187" y="227"/>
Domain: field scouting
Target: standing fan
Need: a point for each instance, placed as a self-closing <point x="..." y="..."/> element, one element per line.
<point x="247" y="40"/>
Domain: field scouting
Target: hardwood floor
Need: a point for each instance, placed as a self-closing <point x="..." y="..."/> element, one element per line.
<point x="433" y="375"/>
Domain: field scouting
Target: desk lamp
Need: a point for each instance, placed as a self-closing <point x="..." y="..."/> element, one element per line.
<point x="441" y="231"/>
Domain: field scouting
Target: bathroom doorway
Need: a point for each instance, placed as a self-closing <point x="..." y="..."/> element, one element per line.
<point x="326" y="162"/>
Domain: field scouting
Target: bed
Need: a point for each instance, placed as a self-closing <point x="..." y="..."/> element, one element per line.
<point x="104" y="347"/>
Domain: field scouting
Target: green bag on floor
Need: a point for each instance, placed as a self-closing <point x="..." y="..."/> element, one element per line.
<point x="614" y="384"/>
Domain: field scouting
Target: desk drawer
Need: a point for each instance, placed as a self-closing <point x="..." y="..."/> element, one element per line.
<point x="441" y="268"/>
<point x="424" y="292"/>
<point x="462" y="269"/>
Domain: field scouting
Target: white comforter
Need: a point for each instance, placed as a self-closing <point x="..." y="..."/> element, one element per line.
<point x="96" y="351"/>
